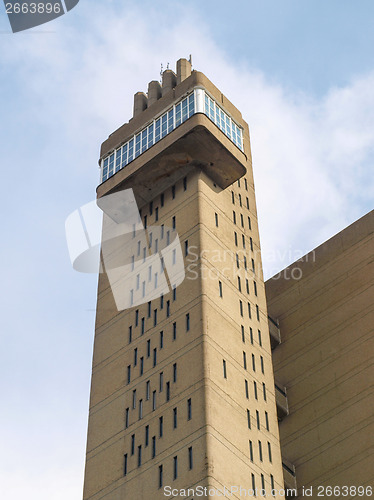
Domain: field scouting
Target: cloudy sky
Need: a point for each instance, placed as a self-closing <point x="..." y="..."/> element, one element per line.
<point x="301" y="72"/>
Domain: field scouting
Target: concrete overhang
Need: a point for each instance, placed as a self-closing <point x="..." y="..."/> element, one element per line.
<point x="197" y="143"/>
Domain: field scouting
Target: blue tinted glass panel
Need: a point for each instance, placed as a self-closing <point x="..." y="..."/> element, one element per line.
<point x="178" y="114"/>
<point x="164" y="125"/>
<point x="150" y="135"/>
<point x="131" y="150"/>
<point x="137" y="145"/>
<point x="170" y="121"/>
<point x="158" y="130"/>
<point x="124" y="155"/>
<point x="144" y="140"/>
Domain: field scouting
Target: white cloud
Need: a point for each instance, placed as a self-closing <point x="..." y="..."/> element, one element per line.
<point x="312" y="160"/>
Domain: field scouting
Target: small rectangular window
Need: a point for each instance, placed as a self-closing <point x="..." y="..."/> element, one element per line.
<point x="255" y="288"/>
<point x="249" y="223"/>
<point x="148" y="348"/>
<point x="151" y="208"/>
<point x="186" y="248"/>
<point x="130" y="334"/>
<point x="161" y="381"/>
<point x="224" y="369"/>
<point x="260" y="450"/>
<point x="233" y="197"/>
<point x="239" y="284"/>
<point x="241" y="307"/>
<point x="249" y="311"/>
<point x="242" y="220"/>
<point x="153" y="446"/>
<point x="137" y="317"/>
<point x="264" y="390"/>
<point x="175" y="467"/>
<point x="160" y="476"/>
<point x="253" y="363"/>
<point x="246" y="389"/>
<point x="141" y="366"/>
<point x="185" y="183"/>
<point x="190" y="458"/>
<point x="243" y="334"/>
<point x="267" y="421"/>
<point x="263" y="492"/>
<point x="142" y="327"/>
<point x="259" y="338"/>
<point x="149" y="309"/>
<point x="258" y="419"/>
<point x="127" y="417"/>
<point x="247" y="286"/>
<point x="174" y="372"/>
<point x="272" y="485"/>
<point x="249" y="419"/>
<point x="161" y="339"/>
<point x="147" y="390"/>
<point x="240" y="199"/>
<point x="173" y="192"/>
<point x="173" y="222"/>
<point x="253" y="484"/>
<point x="146" y="441"/>
<point x="244" y="360"/>
<point x="145" y="222"/>
<point x="140" y="409"/>
<point x="257" y="313"/>
<point x="174" y="293"/>
<point x="167" y="391"/>
<point x="161" y="427"/>
<point x="135" y="356"/>
<point x="236" y="238"/>
<point x="155" y="317"/>
<point x="269" y="452"/>
<point x="167" y="308"/>
<point x="243" y="241"/>
<point x="129" y="374"/>
<point x="134" y="399"/>
<point x="132" y="444"/>
<point x="189" y="409"/>
<point x="220" y="288"/>
<point x="125" y="464"/>
<point x="251" y="243"/>
<point x="245" y="184"/>
<point x="156" y="214"/>
<point x="153" y="400"/>
<point x="174" y="330"/>
<point x="161" y="302"/>
<point x="154" y="356"/>
<point x="216" y="219"/>
<point x="250" y="451"/>
<point x="262" y="365"/>
<point x="234" y="216"/>
<point x="175" y="418"/>
<point x="255" y="389"/>
<point x="187" y="322"/>
<point x="251" y="335"/>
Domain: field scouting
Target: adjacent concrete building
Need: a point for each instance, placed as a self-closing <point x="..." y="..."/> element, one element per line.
<point x="183" y="393"/>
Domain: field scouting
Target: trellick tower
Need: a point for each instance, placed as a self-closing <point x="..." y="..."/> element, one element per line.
<point x="182" y="391"/>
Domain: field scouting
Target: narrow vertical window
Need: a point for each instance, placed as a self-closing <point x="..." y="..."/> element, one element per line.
<point x="234" y="216"/>
<point x="246" y="389"/>
<point x="149" y="308"/>
<point x="249" y="419"/>
<point x="267" y="421"/>
<point x="236" y="238"/>
<point x="253" y="265"/>
<point x="186" y="248"/>
<point x="167" y="308"/>
<point x="161" y="339"/>
<point x="233" y="197"/>
<point x="156" y="214"/>
<point x="262" y="364"/>
<point x="224" y="369"/>
<point x="155" y="317"/>
<point x="190" y="458"/>
<point x="242" y="220"/>
<point x="257" y="313"/>
<point x="250" y="451"/>
<point x="175" y="467"/>
<point x="153" y="446"/>
<point x="174" y="293"/>
<point x="141" y="366"/>
<point x="220" y="288"/>
<point x="153" y="400"/>
<point x="167" y="391"/>
<point x="240" y="199"/>
<point x="249" y="311"/>
<point x="160" y="476"/>
<point x="142" y="327"/>
<point x="243" y="241"/>
<point x="244" y="360"/>
<point x="253" y="484"/>
<point x="140" y="409"/>
<point x="239" y="183"/>
<point x="146" y="440"/>
<point x="132" y="444"/>
<point x="125" y="464"/>
<point x="260" y="450"/>
<point x="134" y="399"/>
<point x="174" y="372"/>
<point x="189" y="409"/>
<point x="272" y="485"/>
<point x="251" y="335"/>
<point x="253" y="363"/>
<point x="259" y="338"/>
<point x="174" y="330"/>
<point x="148" y="348"/>
<point x="175" y="418"/>
<point x="154" y="356"/>
<point x="145" y="222"/>
<point x="130" y="334"/>
<point x="269" y="452"/>
<point x="137" y="317"/>
<point x="185" y="183"/>
<point x="264" y="391"/>
<point x="243" y="334"/>
<point x="129" y="374"/>
<point x="135" y="356"/>
<point x="173" y="192"/>
<point x="251" y="243"/>
<point x="249" y="223"/>
<point x="173" y="222"/>
<point x="255" y="389"/>
<point x="160" y="427"/>
<point x="247" y="286"/>
<point x="263" y="485"/>
<point x="237" y="261"/>
<point x="239" y="284"/>
<point x="147" y="390"/>
<point x="216" y="219"/>
<point x="161" y="381"/>
<point x="187" y="322"/>
<point x="127" y="417"/>
<point x="258" y="419"/>
<point x="241" y="307"/>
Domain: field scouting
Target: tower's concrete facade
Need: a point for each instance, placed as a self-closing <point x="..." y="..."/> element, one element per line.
<point x="182" y="391"/>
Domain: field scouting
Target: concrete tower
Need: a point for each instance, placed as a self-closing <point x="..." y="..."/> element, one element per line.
<point x="182" y="391"/>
